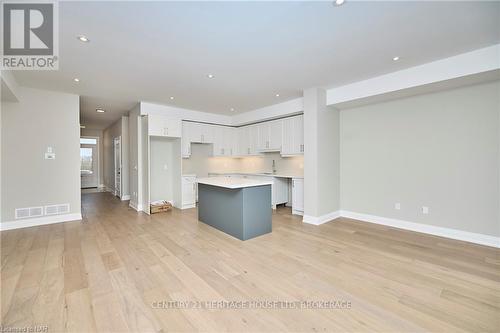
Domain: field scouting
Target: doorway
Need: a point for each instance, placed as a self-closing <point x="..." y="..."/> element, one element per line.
<point x="89" y="162"/>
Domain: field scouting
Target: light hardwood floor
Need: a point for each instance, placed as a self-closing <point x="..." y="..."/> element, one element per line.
<point x="104" y="275"/>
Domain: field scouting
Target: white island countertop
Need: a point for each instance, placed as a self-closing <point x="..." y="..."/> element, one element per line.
<point x="265" y="174"/>
<point x="233" y="182"/>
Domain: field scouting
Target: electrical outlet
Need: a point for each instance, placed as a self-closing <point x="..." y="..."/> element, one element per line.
<point x="425" y="210"/>
<point x="397" y="206"/>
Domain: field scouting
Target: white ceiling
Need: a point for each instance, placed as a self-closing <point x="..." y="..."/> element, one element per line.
<point x="150" y="51"/>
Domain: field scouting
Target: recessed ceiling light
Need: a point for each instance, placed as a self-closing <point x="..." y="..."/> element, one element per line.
<point x="83" y="38"/>
<point x="339" y="2"/>
<point x="100" y="110"/>
<point x="395" y="58"/>
<point x="277" y="95"/>
<point x="76" y="79"/>
<point x="172" y="98"/>
<point x="210" y="76"/>
<point x="232" y="109"/>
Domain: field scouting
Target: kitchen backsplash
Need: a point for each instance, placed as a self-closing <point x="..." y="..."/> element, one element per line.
<point x="202" y="163"/>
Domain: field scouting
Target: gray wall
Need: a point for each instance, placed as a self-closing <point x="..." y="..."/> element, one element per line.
<point x="39" y="120"/>
<point x="438" y="150"/>
<point x="119" y="128"/>
<point x="99" y="134"/>
<point x="113" y="131"/>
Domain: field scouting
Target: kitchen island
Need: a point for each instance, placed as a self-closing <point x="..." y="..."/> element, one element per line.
<point x="240" y="207"/>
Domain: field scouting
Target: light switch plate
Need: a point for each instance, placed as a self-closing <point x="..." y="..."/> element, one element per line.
<point x="425" y="210"/>
<point x="397" y="206"/>
<point x="50" y="156"/>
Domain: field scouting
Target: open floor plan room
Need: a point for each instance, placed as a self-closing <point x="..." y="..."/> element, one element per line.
<point x="250" y="166"/>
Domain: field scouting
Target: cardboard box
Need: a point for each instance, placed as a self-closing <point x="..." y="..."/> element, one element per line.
<point x="160" y="207"/>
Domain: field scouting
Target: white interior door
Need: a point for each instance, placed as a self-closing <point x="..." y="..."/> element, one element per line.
<point x="118" y="166"/>
<point x="89" y="162"/>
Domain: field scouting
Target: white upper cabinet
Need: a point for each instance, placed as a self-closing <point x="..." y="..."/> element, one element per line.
<point x="225" y="141"/>
<point x="293" y="136"/>
<point x="201" y="133"/>
<point x="163" y="126"/>
<point x="243" y="134"/>
<point x="270" y="135"/>
<point x="283" y="135"/>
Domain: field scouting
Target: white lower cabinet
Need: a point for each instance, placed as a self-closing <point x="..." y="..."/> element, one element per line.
<point x="188" y="192"/>
<point x="298" y="196"/>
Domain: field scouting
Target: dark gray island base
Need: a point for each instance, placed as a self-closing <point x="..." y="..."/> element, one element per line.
<point x="242" y="212"/>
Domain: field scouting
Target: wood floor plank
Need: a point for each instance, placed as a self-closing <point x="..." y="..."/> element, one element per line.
<point x="106" y="273"/>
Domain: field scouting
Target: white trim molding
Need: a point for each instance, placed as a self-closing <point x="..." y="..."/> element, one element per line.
<point x="426" y="229"/>
<point x="125" y="197"/>
<point x="39" y="221"/>
<point x="135" y="206"/>
<point x="309" y="219"/>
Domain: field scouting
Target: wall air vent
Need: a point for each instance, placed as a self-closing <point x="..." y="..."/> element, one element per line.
<point x="57" y="209"/>
<point x="23" y="213"/>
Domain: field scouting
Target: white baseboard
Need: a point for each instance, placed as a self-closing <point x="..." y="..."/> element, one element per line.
<point x="321" y="219"/>
<point x="426" y="229"/>
<point x="17" y="224"/>
<point x="188" y="206"/>
<point x="125" y="197"/>
<point x="135" y="206"/>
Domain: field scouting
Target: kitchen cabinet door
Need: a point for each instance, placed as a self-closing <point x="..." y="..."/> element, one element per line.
<point x="298" y="196"/>
<point x="230" y="141"/>
<point x="243" y="141"/>
<point x="275" y="134"/>
<point x="155" y="125"/>
<point x="186" y="140"/>
<point x="218" y="145"/>
<point x="288" y="136"/>
<point x="263" y="129"/>
<point x="299" y="134"/>
<point x="206" y="133"/>
<point x="293" y="136"/>
<point x="188" y="192"/>
<point x="253" y="137"/>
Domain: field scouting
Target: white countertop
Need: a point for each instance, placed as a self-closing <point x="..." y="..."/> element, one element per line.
<point x="233" y="182"/>
<point x="279" y="175"/>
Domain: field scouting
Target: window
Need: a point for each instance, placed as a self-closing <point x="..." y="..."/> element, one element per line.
<point x="86" y="165"/>
<point x="88" y="141"/>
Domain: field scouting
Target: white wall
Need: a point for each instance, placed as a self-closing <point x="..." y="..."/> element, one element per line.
<point x="438" y="150"/>
<point x="125" y="158"/>
<point x="99" y="134"/>
<point x="321" y="158"/>
<point x="39" y="120"/>
<point x="134" y="156"/>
